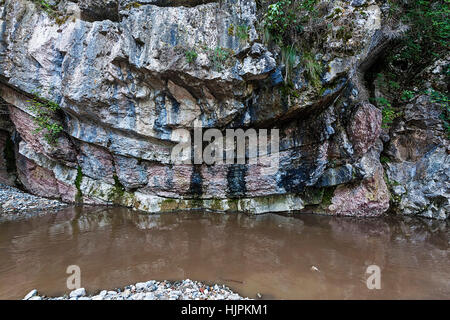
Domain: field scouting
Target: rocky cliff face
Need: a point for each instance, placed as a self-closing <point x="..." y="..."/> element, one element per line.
<point x="126" y="75"/>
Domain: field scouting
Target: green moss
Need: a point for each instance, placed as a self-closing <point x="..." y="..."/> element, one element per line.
<point x="196" y="203"/>
<point x="288" y="90"/>
<point x="242" y="32"/>
<point x="44" y="5"/>
<point x="119" y="189"/>
<point x="216" y="205"/>
<point x="233" y="204"/>
<point x="60" y="20"/>
<point x="78" y="180"/>
<point x="132" y="5"/>
<point x="219" y="57"/>
<point x="191" y="55"/>
<point x="313" y="69"/>
<point x="169" y="205"/>
<point x="328" y="194"/>
<point x="44" y="112"/>
<point x="344" y="33"/>
<point x="231" y="30"/>
<point x="313" y="196"/>
<point x="384" y="159"/>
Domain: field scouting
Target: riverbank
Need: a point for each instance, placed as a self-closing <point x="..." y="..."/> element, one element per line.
<point x="16" y="202"/>
<point x="151" y="290"/>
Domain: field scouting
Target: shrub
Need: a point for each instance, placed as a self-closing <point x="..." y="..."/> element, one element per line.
<point x="429" y="32"/>
<point x="295" y="26"/>
<point x="444" y="101"/>
<point x="407" y="95"/>
<point x="218" y="57"/>
<point x="313" y="69"/>
<point x="52" y="11"/>
<point x="191" y="55"/>
<point x="44" y="113"/>
<point x="387" y="111"/>
<point x="242" y="32"/>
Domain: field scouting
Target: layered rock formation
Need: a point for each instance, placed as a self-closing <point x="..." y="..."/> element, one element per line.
<point x="125" y="78"/>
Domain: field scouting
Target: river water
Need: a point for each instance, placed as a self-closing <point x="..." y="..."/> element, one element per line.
<point x="280" y="257"/>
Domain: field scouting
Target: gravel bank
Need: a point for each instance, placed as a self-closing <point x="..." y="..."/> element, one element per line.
<point x="14" y="201"/>
<point x="151" y="290"/>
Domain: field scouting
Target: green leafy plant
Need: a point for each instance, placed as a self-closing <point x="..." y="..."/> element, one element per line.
<point x="388" y="113"/>
<point x="119" y="189"/>
<point x="231" y="30"/>
<point x="407" y="95"/>
<point x="191" y="55"/>
<point x="52" y="11"/>
<point x="444" y="101"/>
<point x="132" y="5"/>
<point x="44" y="117"/>
<point x="285" y="20"/>
<point x="242" y="32"/>
<point x="78" y="180"/>
<point x="47" y="7"/>
<point x="288" y="57"/>
<point x="294" y="26"/>
<point x="218" y="58"/>
<point x="429" y="31"/>
<point x="313" y="69"/>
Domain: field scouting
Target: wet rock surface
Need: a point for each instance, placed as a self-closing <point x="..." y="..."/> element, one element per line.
<point x="127" y="75"/>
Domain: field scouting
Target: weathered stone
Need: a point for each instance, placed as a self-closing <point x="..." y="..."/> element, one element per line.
<point x="77" y="293"/>
<point x="120" y="72"/>
<point x="365" y="128"/>
<point x="368" y="198"/>
<point x="96" y="162"/>
<point x="131" y="173"/>
<point x="425" y="183"/>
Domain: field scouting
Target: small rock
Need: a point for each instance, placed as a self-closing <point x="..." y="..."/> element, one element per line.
<point x="141" y="285"/>
<point x="77" y="293"/>
<point x="30" y="294"/>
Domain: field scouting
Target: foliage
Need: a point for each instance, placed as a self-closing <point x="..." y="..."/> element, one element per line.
<point x="242" y="32"/>
<point x="294" y="26"/>
<point x="387" y="111"/>
<point x="78" y="180"/>
<point x="407" y="95"/>
<point x="191" y="55"/>
<point x="313" y="69"/>
<point x="444" y="101"/>
<point x="44" y="114"/>
<point x="132" y="5"/>
<point x="231" y="30"/>
<point x="47" y="7"/>
<point x="119" y="189"/>
<point x="425" y="42"/>
<point x="284" y="20"/>
<point x="429" y="32"/>
<point x="288" y="57"/>
<point x="52" y="11"/>
<point x="218" y="57"/>
<point x="384" y="159"/>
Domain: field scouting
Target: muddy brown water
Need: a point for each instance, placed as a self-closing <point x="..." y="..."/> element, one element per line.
<point x="270" y="254"/>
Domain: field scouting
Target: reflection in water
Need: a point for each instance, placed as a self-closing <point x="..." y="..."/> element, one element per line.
<point x="268" y="254"/>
